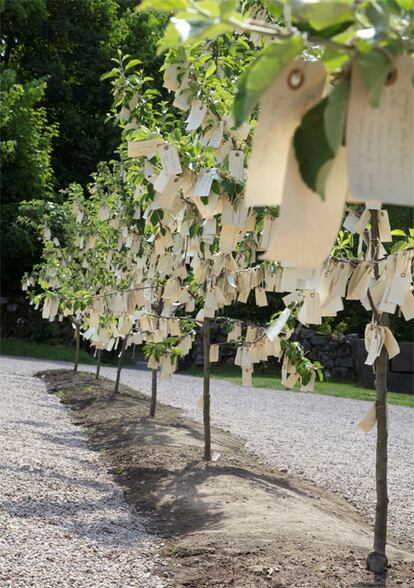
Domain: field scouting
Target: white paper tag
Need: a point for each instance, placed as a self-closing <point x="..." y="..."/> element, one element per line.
<point x="380" y="142"/>
<point x="236" y="165"/>
<point x="296" y="89"/>
<point x="203" y="184"/>
<point x="170" y="160"/>
<point x="140" y="148"/>
<point x="196" y="115"/>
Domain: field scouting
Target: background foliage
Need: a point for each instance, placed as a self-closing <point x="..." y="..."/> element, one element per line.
<point x="54" y="104"/>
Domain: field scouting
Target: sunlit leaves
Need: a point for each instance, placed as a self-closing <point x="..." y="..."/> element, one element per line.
<point x="164" y="5"/>
<point x="334" y="114"/>
<point x="376" y="67"/>
<point x="261" y="73"/>
<point x="323" y="14"/>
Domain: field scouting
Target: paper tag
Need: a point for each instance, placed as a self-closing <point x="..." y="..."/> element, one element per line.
<point x="216" y="135"/>
<point x="384" y="226"/>
<point x="203" y="184"/>
<point x="236" y="165"/>
<point x="196" y="116"/>
<point x="380" y="142"/>
<point x="300" y="238"/>
<point x="407" y="307"/>
<point x="368" y="422"/>
<point x="247" y="374"/>
<point x="170" y="160"/>
<point x="228" y="238"/>
<point x="310" y="312"/>
<point x="296" y="89"/>
<point x="374" y="340"/>
<point x="275" y="328"/>
<point x="214" y="353"/>
<point x="261" y="299"/>
<point x="390" y="343"/>
<point x="350" y="222"/>
<point x="140" y="148"/>
<point x="170" y="77"/>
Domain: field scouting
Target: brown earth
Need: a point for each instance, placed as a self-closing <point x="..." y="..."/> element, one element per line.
<point x="231" y="522"/>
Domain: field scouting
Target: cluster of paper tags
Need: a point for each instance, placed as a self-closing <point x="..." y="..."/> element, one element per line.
<point x="375" y="167"/>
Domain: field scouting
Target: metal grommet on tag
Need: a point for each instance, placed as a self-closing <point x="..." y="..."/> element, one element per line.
<point x="403" y="275"/>
<point x="312" y="294"/>
<point x="392" y="77"/>
<point x="295" y="79"/>
<point x="166" y="147"/>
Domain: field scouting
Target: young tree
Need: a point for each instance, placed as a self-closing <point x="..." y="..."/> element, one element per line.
<point x="363" y="50"/>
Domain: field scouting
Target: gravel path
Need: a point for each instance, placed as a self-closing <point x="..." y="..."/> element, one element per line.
<point x="313" y="437"/>
<point x="63" y="522"/>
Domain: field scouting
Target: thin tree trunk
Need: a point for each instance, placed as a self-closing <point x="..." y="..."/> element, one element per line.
<point x="98" y="364"/>
<point x="153" y="393"/>
<point x="206" y="390"/>
<point x="377" y="560"/>
<point x="120" y="362"/>
<point x="77" y="349"/>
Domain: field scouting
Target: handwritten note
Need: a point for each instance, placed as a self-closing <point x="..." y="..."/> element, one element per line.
<point x="196" y="115"/>
<point x="380" y="141"/>
<point x="236" y="165"/>
<point x="203" y="184"/>
<point x="281" y="110"/>
<point x="170" y="160"/>
<point x="140" y="148"/>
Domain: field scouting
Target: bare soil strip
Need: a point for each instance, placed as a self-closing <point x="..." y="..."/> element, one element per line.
<point x="232" y="522"/>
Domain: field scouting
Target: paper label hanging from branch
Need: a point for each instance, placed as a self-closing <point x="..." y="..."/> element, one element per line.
<point x="298" y="87"/>
<point x="140" y="148"/>
<point x="368" y="422"/>
<point x="380" y="141"/>
<point x="170" y="160"/>
<point x="307" y="226"/>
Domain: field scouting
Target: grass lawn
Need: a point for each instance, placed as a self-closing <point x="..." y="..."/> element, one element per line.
<point x="344" y="390"/>
<point x="26" y="348"/>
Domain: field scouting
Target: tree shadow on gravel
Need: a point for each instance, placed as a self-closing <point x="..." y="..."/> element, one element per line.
<point x="81" y="518"/>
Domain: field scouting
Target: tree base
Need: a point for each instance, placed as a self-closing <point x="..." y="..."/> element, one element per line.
<point x="377" y="563"/>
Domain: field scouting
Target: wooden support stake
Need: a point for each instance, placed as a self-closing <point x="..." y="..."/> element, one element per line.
<point x="377" y="560"/>
<point x="153" y="393"/>
<point x="206" y="390"/>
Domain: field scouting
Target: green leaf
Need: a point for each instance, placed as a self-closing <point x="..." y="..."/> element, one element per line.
<point x="194" y="27"/>
<point x="334" y="115"/>
<point x="322" y="14"/>
<point x="313" y="151"/>
<point x="132" y="63"/>
<point x="406" y="4"/>
<point x="333" y="59"/>
<point x="262" y="71"/>
<point x="375" y="67"/>
<point x="212" y="69"/>
<point x="163" y="5"/>
<point x="398" y="233"/>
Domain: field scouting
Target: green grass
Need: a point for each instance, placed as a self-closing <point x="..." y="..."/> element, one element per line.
<point x="26" y="348"/>
<point x="342" y="390"/>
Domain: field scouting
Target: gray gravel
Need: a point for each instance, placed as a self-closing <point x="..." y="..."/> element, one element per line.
<point x="313" y="437"/>
<point x="63" y="522"/>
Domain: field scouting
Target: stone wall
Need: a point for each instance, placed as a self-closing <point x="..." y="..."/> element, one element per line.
<point x="335" y="352"/>
<point x="19" y="319"/>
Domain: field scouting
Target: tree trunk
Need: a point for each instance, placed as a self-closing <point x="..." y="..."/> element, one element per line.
<point x="119" y="368"/>
<point x="377" y="561"/>
<point x="153" y="393"/>
<point x="77" y="349"/>
<point x="98" y="364"/>
<point x="206" y="390"/>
